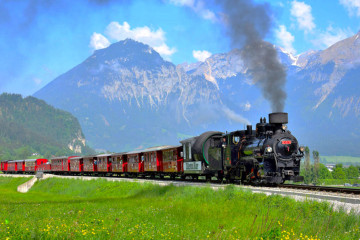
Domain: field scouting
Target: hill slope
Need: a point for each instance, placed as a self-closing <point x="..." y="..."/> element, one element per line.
<point x="29" y="125"/>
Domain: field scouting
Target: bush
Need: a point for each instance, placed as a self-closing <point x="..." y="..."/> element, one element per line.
<point x="338" y="181"/>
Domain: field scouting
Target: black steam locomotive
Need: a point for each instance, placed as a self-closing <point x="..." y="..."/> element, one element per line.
<point x="268" y="155"/>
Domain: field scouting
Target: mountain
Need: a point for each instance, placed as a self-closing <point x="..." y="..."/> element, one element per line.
<point x="126" y="96"/>
<point x="29" y="126"/>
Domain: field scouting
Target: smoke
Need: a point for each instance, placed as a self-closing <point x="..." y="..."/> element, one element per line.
<point x="231" y="115"/>
<point x="248" y="24"/>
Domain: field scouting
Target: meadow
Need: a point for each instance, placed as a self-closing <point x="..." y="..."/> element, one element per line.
<point x="98" y="209"/>
<point x="345" y="160"/>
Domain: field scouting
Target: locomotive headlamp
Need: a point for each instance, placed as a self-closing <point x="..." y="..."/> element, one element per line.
<point x="268" y="149"/>
<point x="301" y="149"/>
<point x="284" y="127"/>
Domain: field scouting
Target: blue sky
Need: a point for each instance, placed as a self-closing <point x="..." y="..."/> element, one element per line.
<point x="40" y="40"/>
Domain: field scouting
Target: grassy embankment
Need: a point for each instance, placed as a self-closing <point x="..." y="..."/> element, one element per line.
<point x="97" y="209"/>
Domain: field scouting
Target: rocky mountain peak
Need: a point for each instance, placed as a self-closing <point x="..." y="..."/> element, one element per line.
<point x="304" y="58"/>
<point x="344" y="53"/>
<point x="128" y="53"/>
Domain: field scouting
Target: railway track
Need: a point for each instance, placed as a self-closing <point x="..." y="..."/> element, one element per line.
<point x="354" y="191"/>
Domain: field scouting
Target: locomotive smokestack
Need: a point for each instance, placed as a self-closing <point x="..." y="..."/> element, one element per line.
<point x="247" y="25"/>
<point x="249" y="129"/>
<point x="278" y="118"/>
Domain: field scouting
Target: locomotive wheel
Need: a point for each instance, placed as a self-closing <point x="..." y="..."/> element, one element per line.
<point x="220" y="179"/>
<point x="208" y="178"/>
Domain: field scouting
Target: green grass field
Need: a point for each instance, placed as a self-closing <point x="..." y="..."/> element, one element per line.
<point x="97" y="209"/>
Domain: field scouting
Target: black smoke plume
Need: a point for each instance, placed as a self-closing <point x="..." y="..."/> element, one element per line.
<point x="248" y="24"/>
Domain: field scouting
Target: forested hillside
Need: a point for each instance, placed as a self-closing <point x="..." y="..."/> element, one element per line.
<point x="29" y="125"/>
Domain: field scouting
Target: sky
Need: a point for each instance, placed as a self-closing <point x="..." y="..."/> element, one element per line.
<point x="42" y="39"/>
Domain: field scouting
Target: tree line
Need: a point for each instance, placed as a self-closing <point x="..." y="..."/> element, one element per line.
<point x="314" y="172"/>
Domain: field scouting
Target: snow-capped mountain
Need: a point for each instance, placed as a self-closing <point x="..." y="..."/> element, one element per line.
<point x="126" y="92"/>
<point x="126" y="96"/>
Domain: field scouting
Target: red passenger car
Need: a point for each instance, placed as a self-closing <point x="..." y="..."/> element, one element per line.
<point x="4" y="165"/>
<point x="44" y="167"/>
<point x="90" y="164"/>
<point x="104" y="163"/>
<point x="20" y="165"/>
<point x="12" y="166"/>
<point x="16" y="166"/>
<point x="31" y="165"/>
<point x="172" y="160"/>
<point x="119" y="162"/>
<point x="61" y="164"/>
<point x="76" y="164"/>
<point x="135" y="162"/>
<point x="153" y="159"/>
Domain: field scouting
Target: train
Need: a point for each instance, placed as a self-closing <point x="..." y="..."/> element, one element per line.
<point x="268" y="154"/>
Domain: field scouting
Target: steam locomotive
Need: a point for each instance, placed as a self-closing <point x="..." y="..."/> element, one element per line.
<point x="268" y="155"/>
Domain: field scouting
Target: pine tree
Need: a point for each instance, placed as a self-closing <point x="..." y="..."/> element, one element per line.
<point x="308" y="174"/>
<point x="307" y="158"/>
<point x="316" y="165"/>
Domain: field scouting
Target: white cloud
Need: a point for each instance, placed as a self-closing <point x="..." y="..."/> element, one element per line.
<point x="207" y="14"/>
<point x="331" y="36"/>
<point x="246" y="106"/>
<point x="302" y="12"/>
<point x="155" y="39"/>
<point x="37" y="81"/>
<point x="353" y="6"/>
<point x="98" y="41"/>
<point x="165" y="50"/>
<point x="201" y="55"/>
<point x="197" y="6"/>
<point x="188" y="3"/>
<point x="285" y="38"/>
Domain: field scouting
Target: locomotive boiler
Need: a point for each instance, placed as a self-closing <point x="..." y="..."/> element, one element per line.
<point x="270" y="154"/>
